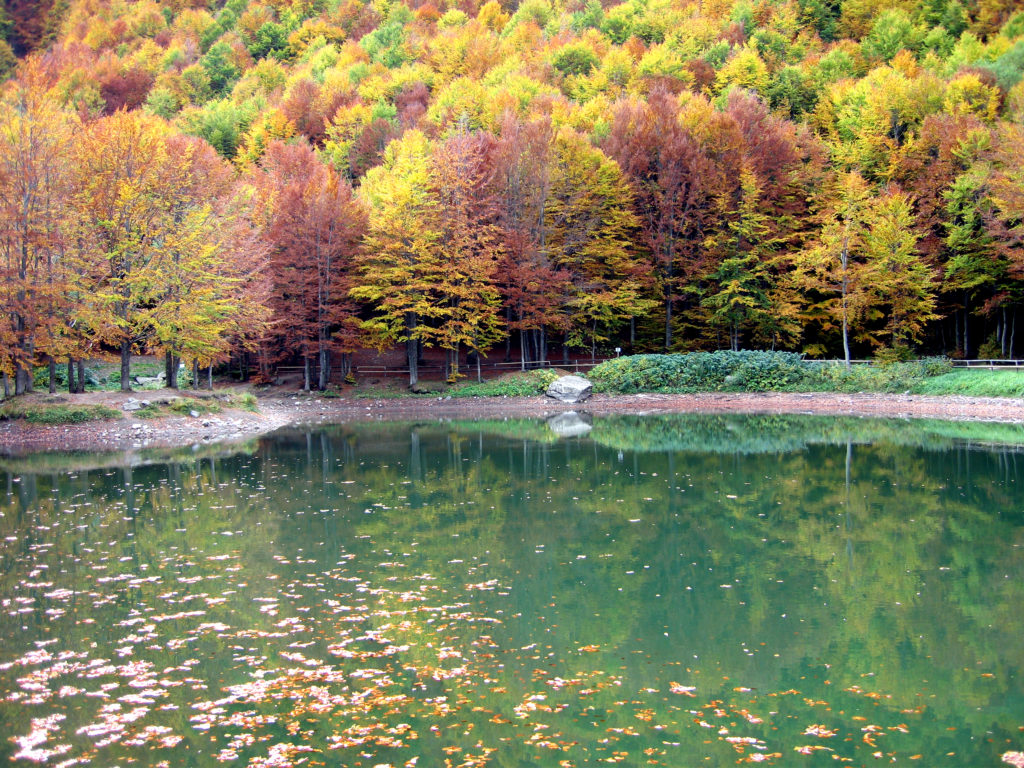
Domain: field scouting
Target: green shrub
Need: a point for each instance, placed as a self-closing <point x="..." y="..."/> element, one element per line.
<point x="765" y="371"/>
<point x="524" y="384"/>
<point x="756" y="371"/>
<point x="58" y="414"/>
<point x="746" y="370"/>
<point x="148" y="412"/>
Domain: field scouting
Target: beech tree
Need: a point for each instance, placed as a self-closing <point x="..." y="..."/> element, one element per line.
<point x="34" y="137"/>
<point x="401" y="261"/>
<point x="468" y="313"/>
<point x="591" y="229"/>
<point x="154" y="249"/>
<point x="533" y="287"/>
<point x="315" y="228"/>
<point x="673" y="180"/>
<point x="832" y="271"/>
<point x="740" y="294"/>
<point x="1005" y="224"/>
<point x="124" y="177"/>
<point x="431" y="249"/>
<point x="198" y="291"/>
<point x="901" y="283"/>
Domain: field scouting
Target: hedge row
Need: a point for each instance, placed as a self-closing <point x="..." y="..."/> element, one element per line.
<point x="755" y="371"/>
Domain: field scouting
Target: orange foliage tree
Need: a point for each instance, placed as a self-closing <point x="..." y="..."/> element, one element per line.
<point x="315" y="227"/>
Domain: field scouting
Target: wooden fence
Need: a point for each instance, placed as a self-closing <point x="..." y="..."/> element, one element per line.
<point x="979" y="363"/>
<point x="431" y="369"/>
<point x="434" y="370"/>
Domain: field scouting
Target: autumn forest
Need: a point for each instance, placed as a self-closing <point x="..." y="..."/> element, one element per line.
<point x="288" y="181"/>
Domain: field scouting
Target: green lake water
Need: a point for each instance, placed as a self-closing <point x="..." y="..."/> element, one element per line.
<point x="675" y="590"/>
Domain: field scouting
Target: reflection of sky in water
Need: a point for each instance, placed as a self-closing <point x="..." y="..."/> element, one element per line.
<point x="664" y="591"/>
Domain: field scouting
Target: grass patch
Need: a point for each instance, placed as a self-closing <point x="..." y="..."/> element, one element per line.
<point x="522" y="384"/>
<point x="973" y="383"/>
<point x="58" y="414"/>
<point x="149" y="412"/>
<point x="187" y="404"/>
<point x="386" y="393"/>
<point x="246" y="402"/>
<point x="878" y="377"/>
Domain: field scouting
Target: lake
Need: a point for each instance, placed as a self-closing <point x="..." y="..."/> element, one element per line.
<point x="685" y="590"/>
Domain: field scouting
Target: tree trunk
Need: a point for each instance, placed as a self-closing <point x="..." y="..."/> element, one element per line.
<point x="195" y="374"/>
<point x="170" y="370"/>
<point x="668" y="308"/>
<point x="126" y="366"/>
<point x="508" y="336"/>
<point x="325" y="368"/>
<point x="1013" y="331"/>
<point x="846" y="342"/>
<point x="22" y="381"/>
<point x="522" y="349"/>
<point x="412" y="349"/>
<point x="53" y="375"/>
<point x="967" y="354"/>
<point x="565" y="348"/>
<point x="1002" y="334"/>
<point x="478" y="379"/>
<point x="71" y="376"/>
<point x="209" y="377"/>
<point x="305" y="373"/>
<point x="81" y="375"/>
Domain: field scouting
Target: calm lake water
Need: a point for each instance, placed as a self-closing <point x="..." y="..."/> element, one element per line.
<point x="679" y="591"/>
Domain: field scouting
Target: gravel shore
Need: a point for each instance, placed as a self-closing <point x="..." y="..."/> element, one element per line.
<point x="282" y="410"/>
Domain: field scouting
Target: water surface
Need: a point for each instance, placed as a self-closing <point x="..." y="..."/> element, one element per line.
<point x="684" y="590"/>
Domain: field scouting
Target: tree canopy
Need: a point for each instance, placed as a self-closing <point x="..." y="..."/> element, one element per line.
<point x="295" y="180"/>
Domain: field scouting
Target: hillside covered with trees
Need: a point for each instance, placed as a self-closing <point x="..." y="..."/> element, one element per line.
<point x="291" y="180"/>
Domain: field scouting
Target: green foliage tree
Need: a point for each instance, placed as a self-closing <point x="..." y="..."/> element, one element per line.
<point x="739" y="296"/>
<point x="902" y="284"/>
<point x="220" y="67"/>
<point x="832" y="271"/>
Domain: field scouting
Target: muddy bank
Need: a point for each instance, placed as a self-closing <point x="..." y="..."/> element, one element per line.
<point x="278" y="410"/>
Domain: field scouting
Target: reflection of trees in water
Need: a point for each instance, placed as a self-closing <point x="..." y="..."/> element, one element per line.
<point x="866" y="527"/>
<point x="832" y="549"/>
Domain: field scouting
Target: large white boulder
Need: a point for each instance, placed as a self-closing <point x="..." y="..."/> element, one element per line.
<point x="570" y="389"/>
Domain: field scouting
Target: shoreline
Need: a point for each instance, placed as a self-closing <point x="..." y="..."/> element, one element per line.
<point x="278" y="411"/>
